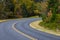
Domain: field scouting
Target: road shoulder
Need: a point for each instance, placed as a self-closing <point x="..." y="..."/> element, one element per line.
<point x="2" y="20"/>
<point x="36" y="26"/>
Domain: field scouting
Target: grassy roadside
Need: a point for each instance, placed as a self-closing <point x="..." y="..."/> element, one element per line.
<point x="2" y="20"/>
<point x="34" y="17"/>
<point x="38" y="27"/>
<point x="55" y="25"/>
<point x="51" y="26"/>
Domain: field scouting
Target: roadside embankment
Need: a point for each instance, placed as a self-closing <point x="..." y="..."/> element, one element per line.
<point x="36" y="26"/>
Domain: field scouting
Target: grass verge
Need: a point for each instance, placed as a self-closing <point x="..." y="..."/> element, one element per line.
<point x="38" y="27"/>
<point x="2" y="20"/>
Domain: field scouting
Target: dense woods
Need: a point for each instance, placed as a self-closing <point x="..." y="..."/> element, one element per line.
<point x="52" y="16"/>
<point x="19" y="8"/>
<point x="49" y="10"/>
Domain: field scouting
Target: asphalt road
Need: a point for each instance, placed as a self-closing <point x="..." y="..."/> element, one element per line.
<point x="19" y="29"/>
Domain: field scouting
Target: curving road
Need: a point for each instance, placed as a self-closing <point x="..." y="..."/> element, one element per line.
<point x="19" y="29"/>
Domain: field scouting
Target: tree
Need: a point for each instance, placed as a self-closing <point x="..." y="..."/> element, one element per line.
<point x="2" y="7"/>
<point x="32" y="8"/>
<point x="52" y="7"/>
<point x="24" y="10"/>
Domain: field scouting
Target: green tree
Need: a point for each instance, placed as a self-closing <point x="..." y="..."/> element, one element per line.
<point x="32" y="8"/>
<point x="24" y="10"/>
<point x="53" y="7"/>
<point x="2" y="7"/>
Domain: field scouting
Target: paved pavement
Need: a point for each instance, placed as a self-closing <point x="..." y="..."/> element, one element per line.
<point x="24" y="31"/>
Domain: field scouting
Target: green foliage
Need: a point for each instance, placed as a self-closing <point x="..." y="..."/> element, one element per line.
<point x="52" y="26"/>
<point x="53" y="6"/>
<point x="25" y="12"/>
<point x="44" y="17"/>
<point x="52" y="21"/>
<point x="17" y="8"/>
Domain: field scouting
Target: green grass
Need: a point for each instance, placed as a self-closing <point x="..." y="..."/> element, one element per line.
<point x="52" y="25"/>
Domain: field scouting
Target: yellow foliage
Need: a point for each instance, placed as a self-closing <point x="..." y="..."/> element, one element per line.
<point x="36" y="11"/>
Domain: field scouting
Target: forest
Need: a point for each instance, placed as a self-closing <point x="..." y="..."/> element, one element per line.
<point x="51" y="19"/>
<point x="19" y="8"/>
<point x="49" y="10"/>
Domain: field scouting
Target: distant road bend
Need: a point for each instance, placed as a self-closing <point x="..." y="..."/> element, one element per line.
<point x="19" y="29"/>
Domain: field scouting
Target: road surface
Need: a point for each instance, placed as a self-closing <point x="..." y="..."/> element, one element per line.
<point x="19" y="29"/>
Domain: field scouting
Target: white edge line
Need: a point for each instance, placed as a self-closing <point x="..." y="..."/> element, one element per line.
<point x="32" y="38"/>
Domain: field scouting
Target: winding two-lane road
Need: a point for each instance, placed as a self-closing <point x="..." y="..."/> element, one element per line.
<point x="19" y="29"/>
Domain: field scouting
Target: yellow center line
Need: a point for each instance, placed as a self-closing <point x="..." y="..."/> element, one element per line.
<point x="30" y="37"/>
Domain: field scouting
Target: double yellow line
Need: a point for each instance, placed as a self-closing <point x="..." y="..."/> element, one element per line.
<point x="30" y="37"/>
